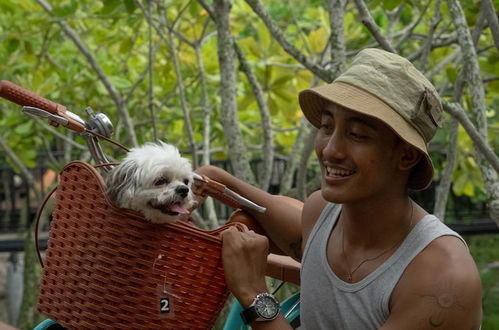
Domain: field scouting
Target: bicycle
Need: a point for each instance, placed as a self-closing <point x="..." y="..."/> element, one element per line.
<point x="80" y="192"/>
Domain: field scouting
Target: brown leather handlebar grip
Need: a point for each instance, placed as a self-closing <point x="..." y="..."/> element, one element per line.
<point x="24" y="97"/>
<point x="216" y="190"/>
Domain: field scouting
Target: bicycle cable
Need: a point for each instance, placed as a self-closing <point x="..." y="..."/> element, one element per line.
<point x="108" y="140"/>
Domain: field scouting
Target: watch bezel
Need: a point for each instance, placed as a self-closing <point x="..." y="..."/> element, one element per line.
<point x="262" y="297"/>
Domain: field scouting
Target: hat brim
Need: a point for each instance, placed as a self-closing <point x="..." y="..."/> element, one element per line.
<point x="312" y="102"/>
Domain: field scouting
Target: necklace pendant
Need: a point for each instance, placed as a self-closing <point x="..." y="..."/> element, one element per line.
<point x="349" y="278"/>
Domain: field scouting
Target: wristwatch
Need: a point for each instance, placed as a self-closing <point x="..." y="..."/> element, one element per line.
<point x="264" y="307"/>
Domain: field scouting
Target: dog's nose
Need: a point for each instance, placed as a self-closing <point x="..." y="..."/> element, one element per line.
<point x="182" y="191"/>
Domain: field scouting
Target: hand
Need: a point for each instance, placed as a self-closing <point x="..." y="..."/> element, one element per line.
<point x="244" y="257"/>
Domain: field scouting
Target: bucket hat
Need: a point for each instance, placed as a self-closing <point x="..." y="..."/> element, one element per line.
<point x="388" y="87"/>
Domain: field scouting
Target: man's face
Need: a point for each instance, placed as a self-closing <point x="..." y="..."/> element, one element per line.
<point x="358" y="154"/>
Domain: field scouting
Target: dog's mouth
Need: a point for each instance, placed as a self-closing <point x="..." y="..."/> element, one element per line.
<point x="170" y="209"/>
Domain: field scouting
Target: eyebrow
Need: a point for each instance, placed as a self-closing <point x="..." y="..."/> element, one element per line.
<point x="363" y="120"/>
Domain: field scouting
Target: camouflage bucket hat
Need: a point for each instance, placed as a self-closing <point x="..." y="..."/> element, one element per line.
<point x="388" y="87"/>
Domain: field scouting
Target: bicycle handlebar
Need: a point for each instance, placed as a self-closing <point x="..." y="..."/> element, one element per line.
<point x="57" y="114"/>
<point x="24" y="97"/>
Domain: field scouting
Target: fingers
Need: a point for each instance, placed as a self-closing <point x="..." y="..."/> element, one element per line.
<point x="244" y="257"/>
<point x="247" y="240"/>
<point x="199" y="190"/>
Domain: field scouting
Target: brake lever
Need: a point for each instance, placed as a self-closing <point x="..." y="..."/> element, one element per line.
<point x="37" y="112"/>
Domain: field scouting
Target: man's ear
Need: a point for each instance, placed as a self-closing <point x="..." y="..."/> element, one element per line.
<point x="410" y="157"/>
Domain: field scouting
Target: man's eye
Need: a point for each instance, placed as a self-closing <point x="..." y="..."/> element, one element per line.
<point x="326" y="128"/>
<point x="358" y="136"/>
<point x="160" y="182"/>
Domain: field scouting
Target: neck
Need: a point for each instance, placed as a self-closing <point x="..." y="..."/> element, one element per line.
<point x="377" y="223"/>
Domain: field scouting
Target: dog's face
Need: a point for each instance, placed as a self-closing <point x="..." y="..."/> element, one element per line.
<point x="154" y="180"/>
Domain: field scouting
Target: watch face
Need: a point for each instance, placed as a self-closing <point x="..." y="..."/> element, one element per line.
<point x="266" y="306"/>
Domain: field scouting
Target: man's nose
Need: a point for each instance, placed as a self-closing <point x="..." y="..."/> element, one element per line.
<point x="182" y="190"/>
<point x="335" y="147"/>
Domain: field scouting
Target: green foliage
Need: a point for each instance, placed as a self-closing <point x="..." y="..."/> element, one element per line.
<point x="39" y="56"/>
<point x="484" y="251"/>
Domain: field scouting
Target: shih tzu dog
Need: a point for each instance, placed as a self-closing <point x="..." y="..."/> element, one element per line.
<point x="155" y="181"/>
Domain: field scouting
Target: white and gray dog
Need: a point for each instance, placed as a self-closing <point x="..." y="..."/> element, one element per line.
<point x="154" y="180"/>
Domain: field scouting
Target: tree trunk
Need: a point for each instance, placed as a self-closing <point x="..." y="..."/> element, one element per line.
<point x="237" y="149"/>
<point x="208" y="205"/>
<point x="181" y="91"/>
<point x="477" y="93"/>
<point x="268" y="138"/>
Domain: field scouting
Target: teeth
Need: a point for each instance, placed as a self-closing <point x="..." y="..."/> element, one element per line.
<point x="338" y="172"/>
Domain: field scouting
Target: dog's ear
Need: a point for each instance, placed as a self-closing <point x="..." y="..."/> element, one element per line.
<point x="121" y="182"/>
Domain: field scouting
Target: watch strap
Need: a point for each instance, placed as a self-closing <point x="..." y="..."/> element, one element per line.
<point x="249" y="315"/>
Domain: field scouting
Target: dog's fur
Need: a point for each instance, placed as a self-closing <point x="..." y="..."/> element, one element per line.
<point x="155" y="181"/>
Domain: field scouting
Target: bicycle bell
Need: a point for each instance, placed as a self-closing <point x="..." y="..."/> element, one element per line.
<point x="99" y="123"/>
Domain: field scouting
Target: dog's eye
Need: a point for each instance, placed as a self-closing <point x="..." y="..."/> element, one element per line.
<point x="161" y="182"/>
<point x="186" y="181"/>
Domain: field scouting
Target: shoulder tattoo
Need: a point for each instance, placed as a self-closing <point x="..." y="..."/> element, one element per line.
<point x="443" y="305"/>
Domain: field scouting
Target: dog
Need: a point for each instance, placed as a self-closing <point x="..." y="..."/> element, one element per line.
<point x="155" y="180"/>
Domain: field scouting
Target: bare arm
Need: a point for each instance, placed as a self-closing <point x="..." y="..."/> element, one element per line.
<point x="244" y="256"/>
<point x="440" y="290"/>
<point x="282" y="220"/>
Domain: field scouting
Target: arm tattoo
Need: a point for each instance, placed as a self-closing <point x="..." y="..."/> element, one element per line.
<point x="295" y="248"/>
<point x="442" y="304"/>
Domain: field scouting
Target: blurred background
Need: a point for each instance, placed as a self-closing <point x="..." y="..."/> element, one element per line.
<point x="220" y="80"/>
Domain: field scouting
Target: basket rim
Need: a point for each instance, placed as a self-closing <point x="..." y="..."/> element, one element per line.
<point x="213" y="234"/>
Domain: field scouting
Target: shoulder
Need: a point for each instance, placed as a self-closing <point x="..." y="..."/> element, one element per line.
<point x="312" y="209"/>
<point x="439" y="289"/>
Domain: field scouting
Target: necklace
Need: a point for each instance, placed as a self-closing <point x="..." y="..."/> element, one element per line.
<point x="351" y="272"/>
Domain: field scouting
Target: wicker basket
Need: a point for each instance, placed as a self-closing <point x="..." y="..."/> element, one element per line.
<point x="108" y="268"/>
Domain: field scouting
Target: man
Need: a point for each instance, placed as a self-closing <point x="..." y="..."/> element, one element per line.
<point x="371" y="257"/>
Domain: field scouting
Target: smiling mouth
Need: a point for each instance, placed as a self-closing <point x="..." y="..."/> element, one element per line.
<point x="336" y="172"/>
<point x="169" y="208"/>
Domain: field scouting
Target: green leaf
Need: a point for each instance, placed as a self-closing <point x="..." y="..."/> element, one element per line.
<point x="129" y="6"/>
<point x="375" y="3"/>
<point x="12" y="44"/>
<point x="120" y="82"/>
<point x="66" y="10"/>
<point x="451" y="74"/>
<point x="391" y="4"/>
<point x="263" y="37"/>
<point x="469" y="189"/>
<point x="317" y="40"/>
<point x="195" y="8"/>
<point x="459" y="183"/>
<point x="110" y="6"/>
<point x="8" y="6"/>
<point x="126" y="45"/>
<point x="28" y="157"/>
<point x="24" y="128"/>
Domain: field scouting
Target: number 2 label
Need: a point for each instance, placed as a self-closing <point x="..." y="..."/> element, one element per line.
<point x="164" y="305"/>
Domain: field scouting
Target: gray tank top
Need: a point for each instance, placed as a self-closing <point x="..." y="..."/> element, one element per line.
<point x="327" y="302"/>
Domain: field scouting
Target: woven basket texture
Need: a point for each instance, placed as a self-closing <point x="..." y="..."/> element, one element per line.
<point x="108" y="268"/>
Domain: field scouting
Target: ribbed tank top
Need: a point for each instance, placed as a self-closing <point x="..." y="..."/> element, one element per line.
<point x="327" y="302"/>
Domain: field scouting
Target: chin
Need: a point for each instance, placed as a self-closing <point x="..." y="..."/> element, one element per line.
<point x="340" y="193"/>
<point x="155" y="180"/>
